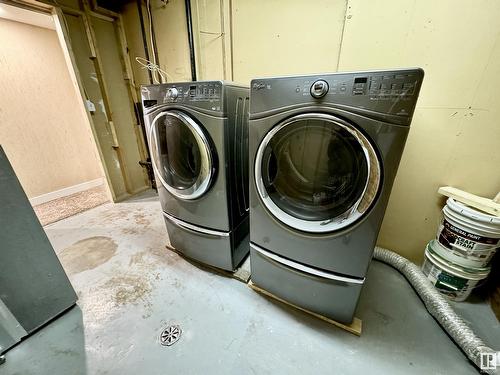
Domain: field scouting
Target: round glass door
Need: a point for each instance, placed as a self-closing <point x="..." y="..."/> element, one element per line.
<point x="316" y="173"/>
<point x="181" y="155"/>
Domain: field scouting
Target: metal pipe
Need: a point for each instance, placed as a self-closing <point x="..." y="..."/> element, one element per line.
<point x="138" y="106"/>
<point x="153" y="40"/>
<point x="189" y="21"/>
<point x="223" y="38"/>
<point x="438" y="307"/>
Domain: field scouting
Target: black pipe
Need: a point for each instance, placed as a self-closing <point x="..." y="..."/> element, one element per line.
<point x="153" y="37"/>
<point x="144" y="39"/>
<point x="189" y="21"/>
<point x="138" y="106"/>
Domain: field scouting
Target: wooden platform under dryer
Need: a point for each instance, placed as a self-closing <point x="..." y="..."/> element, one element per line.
<point x="355" y="327"/>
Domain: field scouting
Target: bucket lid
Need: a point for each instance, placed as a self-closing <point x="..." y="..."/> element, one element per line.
<point x="472" y="213"/>
<point x="473" y="273"/>
<point x="487" y="229"/>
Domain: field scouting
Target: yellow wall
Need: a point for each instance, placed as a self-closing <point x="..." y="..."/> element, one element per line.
<point x="286" y="37"/>
<point x="135" y="44"/>
<point x="455" y="134"/>
<point x="211" y="31"/>
<point x="171" y="34"/>
<point x="43" y="130"/>
<point x="454" y="137"/>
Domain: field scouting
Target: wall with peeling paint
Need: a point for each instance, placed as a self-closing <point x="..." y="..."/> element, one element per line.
<point x="455" y="133"/>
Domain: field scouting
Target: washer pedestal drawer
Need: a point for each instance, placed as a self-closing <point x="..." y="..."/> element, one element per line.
<point x="328" y="294"/>
<point x="215" y="248"/>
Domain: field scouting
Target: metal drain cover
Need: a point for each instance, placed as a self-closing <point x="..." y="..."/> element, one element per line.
<point x="170" y="335"/>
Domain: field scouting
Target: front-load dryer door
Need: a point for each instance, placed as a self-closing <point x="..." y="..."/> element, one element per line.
<point x="182" y="155"/>
<point x="317" y="173"/>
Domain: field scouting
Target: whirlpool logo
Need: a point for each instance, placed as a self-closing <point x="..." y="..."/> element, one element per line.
<point x="261" y="86"/>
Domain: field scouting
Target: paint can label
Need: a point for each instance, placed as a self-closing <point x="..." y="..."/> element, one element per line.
<point x="454" y="287"/>
<point x="465" y="244"/>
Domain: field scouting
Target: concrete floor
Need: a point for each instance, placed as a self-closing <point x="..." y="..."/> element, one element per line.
<point x="130" y="287"/>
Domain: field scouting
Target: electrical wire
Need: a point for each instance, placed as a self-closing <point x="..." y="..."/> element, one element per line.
<point x="155" y="69"/>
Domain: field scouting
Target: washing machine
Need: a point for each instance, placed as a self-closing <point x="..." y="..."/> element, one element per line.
<point x="324" y="151"/>
<point x="198" y="139"/>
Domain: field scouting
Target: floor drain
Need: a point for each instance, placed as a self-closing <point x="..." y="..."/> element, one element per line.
<point x="170" y="335"/>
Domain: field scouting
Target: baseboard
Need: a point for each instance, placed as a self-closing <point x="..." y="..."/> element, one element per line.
<point x="141" y="189"/>
<point x="66" y="191"/>
<point x="124" y="196"/>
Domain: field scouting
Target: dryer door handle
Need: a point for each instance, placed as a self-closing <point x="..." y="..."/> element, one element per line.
<point x="306" y="269"/>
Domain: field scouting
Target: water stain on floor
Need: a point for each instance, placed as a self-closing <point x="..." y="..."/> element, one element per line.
<point x="154" y="257"/>
<point x="129" y="289"/>
<point x="133" y="231"/>
<point x="112" y="215"/>
<point x="141" y="219"/>
<point x="87" y="254"/>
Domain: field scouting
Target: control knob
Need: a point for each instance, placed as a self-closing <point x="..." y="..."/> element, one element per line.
<point x="319" y="89"/>
<point x="172" y="93"/>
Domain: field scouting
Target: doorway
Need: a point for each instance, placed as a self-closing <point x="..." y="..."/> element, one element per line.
<point x="45" y="131"/>
<point x="69" y="124"/>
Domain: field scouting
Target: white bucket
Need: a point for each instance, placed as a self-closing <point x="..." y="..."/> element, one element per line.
<point x="472" y="237"/>
<point x="452" y="280"/>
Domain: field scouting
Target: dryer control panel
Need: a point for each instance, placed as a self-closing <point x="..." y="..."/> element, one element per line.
<point x="377" y="86"/>
<point x="390" y="94"/>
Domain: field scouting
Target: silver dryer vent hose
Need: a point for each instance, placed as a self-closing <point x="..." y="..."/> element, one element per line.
<point x="438" y="307"/>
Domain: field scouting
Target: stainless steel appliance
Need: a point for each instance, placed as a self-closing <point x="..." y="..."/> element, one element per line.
<point x="324" y="151"/>
<point x="198" y="137"/>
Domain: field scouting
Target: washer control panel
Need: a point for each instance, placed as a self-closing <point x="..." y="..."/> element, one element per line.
<point x="204" y="94"/>
<point x="194" y="92"/>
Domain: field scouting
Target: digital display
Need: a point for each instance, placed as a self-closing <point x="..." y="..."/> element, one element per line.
<point x="149" y="103"/>
<point x="360" y="80"/>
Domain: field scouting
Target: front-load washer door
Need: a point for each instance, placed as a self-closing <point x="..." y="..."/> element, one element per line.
<point x="317" y="173"/>
<point x="182" y="156"/>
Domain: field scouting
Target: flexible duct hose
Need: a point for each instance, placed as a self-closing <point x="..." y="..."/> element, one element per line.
<point x="438" y="307"/>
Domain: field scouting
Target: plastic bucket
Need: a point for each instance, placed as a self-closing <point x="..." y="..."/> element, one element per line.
<point x="453" y="280"/>
<point x="471" y="237"/>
